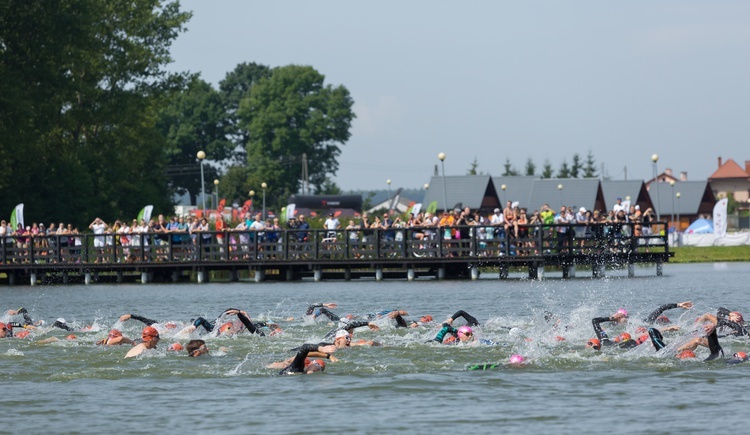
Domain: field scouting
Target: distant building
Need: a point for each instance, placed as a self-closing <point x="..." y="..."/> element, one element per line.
<point x="731" y="178"/>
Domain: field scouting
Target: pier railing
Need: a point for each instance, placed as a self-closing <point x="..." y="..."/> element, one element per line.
<point x="344" y="245"/>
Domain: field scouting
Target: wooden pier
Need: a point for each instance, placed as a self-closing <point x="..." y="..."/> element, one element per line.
<point x="288" y="255"/>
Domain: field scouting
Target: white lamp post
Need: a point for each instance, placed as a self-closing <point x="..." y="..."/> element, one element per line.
<point x="560" y="187"/>
<point x="251" y="194"/>
<point x="503" y="187"/>
<point x="671" y="183"/>
<point x="201" y="156"/>
<point x="216" y="193"/>
<point x="264" y="186"/>
<point x="441" y="156"/>
<point x="655" y="158"/>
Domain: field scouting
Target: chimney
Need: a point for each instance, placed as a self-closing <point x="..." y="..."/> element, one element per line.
<point x="683" y="175"/>
<point x="719" y="161"/>
<point x="668" y="171"/>
<point x="747" y="166"/>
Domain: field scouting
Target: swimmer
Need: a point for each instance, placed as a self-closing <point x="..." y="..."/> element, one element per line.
<point x="514" y="360"/>
<point x="343" y="340"/>
<point x="350" y="326"/>
<point x="115" y="338"/>
<point x="150" y="337"/>
<point x="604" y="340"/>
<point x="196" y="348"/>
<point x="301" y="362"/>
<point x="657" y="315"/>
<point x="319" y="309"/>
<point x="738" y="357"/>
<point x="463" y="334"/>
<point x="710" y="340"/>
<point x="397" y="315"/>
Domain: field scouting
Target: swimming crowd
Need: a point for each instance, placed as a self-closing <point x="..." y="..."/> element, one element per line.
<point x="310" y="357"/>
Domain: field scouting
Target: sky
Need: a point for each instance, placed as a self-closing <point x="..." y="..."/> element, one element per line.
<point x="490" y="81"/>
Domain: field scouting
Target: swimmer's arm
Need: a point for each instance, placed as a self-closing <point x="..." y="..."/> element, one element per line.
<point x="145" y="320"/>
<point x="470" y="320"/>
<point x="657" y="312"/>
<point x="248" y="324"/>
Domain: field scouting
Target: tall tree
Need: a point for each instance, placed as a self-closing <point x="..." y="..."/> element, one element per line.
<point x="290" y="113"/>
<point x="576" y="169"/>
<point x="82" y="82"/>
<point x="508" y="169"/>
<point x="194" y="121"/>
<point x="233" y="89"/>
<point x="530" y="167"/>
<point x="564" y="171"/>
<point x="473" y="167"/>
<point x="547" y="171"/>
<point x="589" y="168"/>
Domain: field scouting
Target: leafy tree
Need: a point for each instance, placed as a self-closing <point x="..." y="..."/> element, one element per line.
<point x="576" y="168"/>
<point x="547" y="171"/>
<point x="329" y="188"/>
<point x="290" y="113"/>
<point x="82" y="82"/>
<point x="589" y="168"/>
<point x="530" y="167"/>
<point x="509" y="170"/>
<point x="194" y="121"/>
<point x="473" y="167"/>
<point x="564" y="171"/>
<point x="234" y="88"/>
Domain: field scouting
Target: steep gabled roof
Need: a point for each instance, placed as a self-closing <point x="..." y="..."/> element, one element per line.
<point x="577" y="193"/>
<point x="469" y="190"/>
<point x="517" y="189"/>
<point x="695" y="198"/>
<point x="635" y="189"/>
<point x="730" y="169"/>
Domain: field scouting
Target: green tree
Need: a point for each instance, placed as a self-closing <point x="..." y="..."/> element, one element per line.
<point x="233" y="89"/>
<point x="589" y="168"/>
<point x="564" y="171"/>
<point x="290" y="113"/>
<point x="576" y="169"/>
<point x="509" y="170"/>
<point x="530" y="167"/>
<point x="547" y="171"/>
<point x="82" y="82"/>
<point x="194" y="121"/>
<point x="473" y="167"/>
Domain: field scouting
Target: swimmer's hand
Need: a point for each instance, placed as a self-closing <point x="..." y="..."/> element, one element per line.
<point x="373" y="327"/>
<point x="331" y="305"/>
<point x="124" y="317"/>
<point x="333" y="358"/>
<point x="685" y="305"/>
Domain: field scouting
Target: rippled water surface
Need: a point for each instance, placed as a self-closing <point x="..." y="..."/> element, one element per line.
<point x="408" y="384"/>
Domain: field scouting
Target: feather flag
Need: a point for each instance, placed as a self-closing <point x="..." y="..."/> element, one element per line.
<point x="16" y="217"/>
<point x="145" y="213"/>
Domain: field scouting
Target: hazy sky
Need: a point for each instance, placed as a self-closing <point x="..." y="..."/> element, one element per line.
<point x="496" y="80"/>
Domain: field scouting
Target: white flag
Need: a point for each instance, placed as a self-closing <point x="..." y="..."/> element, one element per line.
<point x="720" y="218"/>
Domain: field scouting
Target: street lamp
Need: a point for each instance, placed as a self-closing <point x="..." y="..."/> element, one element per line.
<point x="655" y="158"/>
<point x="201" y="156"/>
<point x="216" y="192"/>
<point x="264" y="186"/>
<point x="559" y="187"/>
<point x="441" y="156"/>
<point x="503" y="200"/>
<point x="677" y="229"/>
<point x="251" y="194"/>
<point x="671" y="183"/>
<point x="426" y="186"/>
<point x="388" y="182"/>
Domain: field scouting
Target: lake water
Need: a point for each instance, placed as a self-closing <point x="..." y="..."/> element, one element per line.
<point x="406" y="385"/>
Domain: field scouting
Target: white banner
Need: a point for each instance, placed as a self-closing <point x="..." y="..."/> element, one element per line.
<point x="290" y="211"/>
<point x="720" y="218"/>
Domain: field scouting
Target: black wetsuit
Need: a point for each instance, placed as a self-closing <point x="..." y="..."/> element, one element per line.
<point x="737" y="329"/>
<point x="311" y="310"/>
<point x="658" y="312"/>
<point x="604" y="338"/>
<point x="449" y="329"/>
<point x="713" y="343"/>
<point x="298" y="363"/>
<point x="61" y="325"/>
<point x="347" y="326"/>
<point x="253" y="328"/>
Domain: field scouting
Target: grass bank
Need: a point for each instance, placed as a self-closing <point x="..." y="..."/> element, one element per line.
<point x="709" y="254"/>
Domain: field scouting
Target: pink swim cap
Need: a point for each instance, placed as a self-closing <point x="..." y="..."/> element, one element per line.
<point x="516" y="359"/>
<point x="623" y="311"/>
<point x="466" y="330"/>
